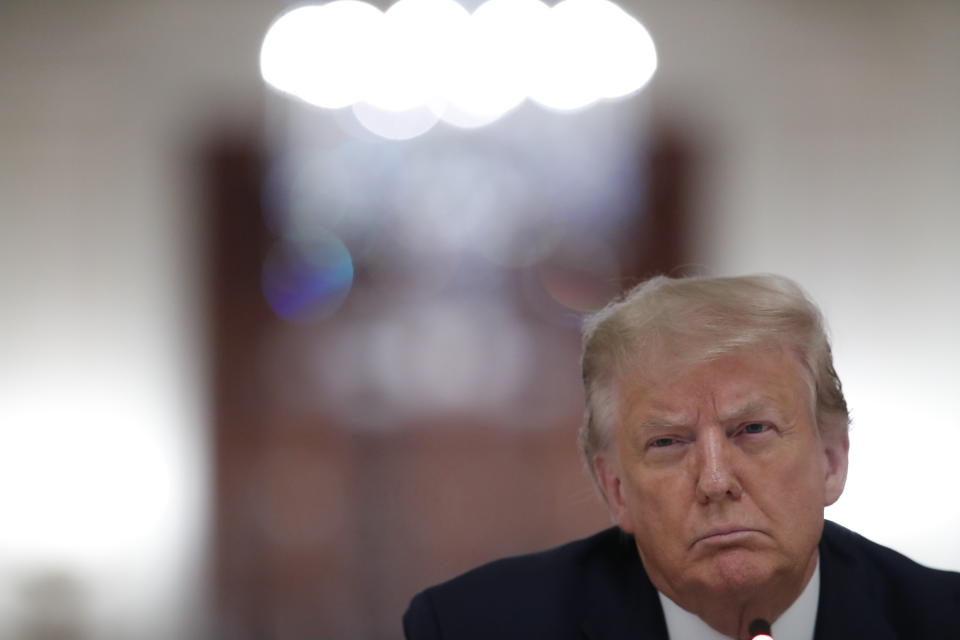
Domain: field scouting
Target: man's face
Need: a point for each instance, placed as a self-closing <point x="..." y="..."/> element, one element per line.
<point x="721" y="474"/>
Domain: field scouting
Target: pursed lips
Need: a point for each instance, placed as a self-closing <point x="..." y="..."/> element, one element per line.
<point x="724" y="531"/>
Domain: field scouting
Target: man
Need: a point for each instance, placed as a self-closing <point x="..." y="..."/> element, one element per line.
<point x="716" y="431"/>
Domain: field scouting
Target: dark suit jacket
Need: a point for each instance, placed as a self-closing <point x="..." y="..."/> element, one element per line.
<point x="596" y="589"/>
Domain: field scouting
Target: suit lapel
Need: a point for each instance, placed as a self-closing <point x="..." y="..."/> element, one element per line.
<point x="850" y="605"/>
<point x="622" y="602"/>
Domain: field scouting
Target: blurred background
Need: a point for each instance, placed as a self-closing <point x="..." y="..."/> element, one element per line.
<point x="267" y="368"/>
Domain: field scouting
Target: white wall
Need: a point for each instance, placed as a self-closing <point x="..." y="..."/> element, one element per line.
<point x="103" y="435"/>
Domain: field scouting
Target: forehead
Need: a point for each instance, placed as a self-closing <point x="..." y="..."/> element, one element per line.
<point x="769" y="378"/>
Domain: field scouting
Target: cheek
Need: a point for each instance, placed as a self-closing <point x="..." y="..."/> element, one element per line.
<point x="793" y="487"/>
<point x="661" y="501"/>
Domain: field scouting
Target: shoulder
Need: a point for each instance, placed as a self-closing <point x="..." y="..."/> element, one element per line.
<point x="887" y="585"/>
<point x="851" y="548"/>
<point x="539" y="593"/>
<point x="568" y="561"/>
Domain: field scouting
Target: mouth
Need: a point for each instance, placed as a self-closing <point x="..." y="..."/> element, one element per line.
<point x="726" y="535"/>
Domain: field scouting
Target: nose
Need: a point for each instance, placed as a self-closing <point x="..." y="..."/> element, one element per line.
<point x="717" y="478"/>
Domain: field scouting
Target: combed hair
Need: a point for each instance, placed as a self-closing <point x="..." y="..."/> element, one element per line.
<point x="679" y="322"/>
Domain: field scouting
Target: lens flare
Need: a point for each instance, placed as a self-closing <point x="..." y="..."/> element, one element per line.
<point x="395" y="125"/>
<point x="309" y="281"/>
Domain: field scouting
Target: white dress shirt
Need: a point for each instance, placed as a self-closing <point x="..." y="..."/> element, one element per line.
<point x="796" y="623"/>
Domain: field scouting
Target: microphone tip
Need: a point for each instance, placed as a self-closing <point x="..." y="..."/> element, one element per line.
<point x="759" y="629"/>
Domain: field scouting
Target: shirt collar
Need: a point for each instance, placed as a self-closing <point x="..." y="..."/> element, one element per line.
<point x="796" y="623"/>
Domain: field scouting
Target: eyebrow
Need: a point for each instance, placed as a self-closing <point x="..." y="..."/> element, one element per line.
<point x="752" y="407"/>
<point x="662" y="423"/>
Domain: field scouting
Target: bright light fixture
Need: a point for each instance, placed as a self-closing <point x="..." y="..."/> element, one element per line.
<point x="416" y="53"/>
<point x="468" y="69"/>
<point x="495" y="62"/>
<point x="325" y="54"/>
<point x="590" y="50"/>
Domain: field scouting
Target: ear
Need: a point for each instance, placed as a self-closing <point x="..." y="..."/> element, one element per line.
<point x="835" y="449"/>
<point x="611" y="484"/>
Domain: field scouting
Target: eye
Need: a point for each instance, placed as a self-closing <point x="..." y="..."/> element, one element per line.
<point x="659" y="443"/>
<point x="754" y="428"/>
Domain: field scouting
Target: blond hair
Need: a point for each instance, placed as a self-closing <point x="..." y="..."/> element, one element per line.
<point x="683" y="321"/>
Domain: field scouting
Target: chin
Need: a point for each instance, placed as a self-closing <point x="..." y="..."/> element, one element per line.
<point x="738" y="571"/>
